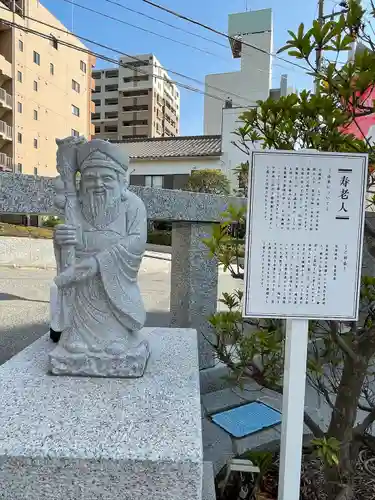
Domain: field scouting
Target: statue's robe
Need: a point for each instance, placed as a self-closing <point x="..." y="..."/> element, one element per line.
<point x="108" y="307"/>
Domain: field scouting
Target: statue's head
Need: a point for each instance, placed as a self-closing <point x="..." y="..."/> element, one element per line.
<point x="103" y="184"/>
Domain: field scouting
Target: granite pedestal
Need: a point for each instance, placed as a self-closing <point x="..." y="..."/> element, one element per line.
<point x="70" y="438"/>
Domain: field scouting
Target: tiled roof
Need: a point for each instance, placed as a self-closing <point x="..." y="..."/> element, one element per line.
<point x="173" y="147"/>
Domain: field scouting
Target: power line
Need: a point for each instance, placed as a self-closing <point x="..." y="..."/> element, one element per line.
<point x="129" y="9"/>
<point x="221" y="33"/>
<point x="180" y="29"/>
<point x="101" y="56"/>
<point x="116" y="19"/>
<point x="108" y="16"/>
<point x="187" y="87"/>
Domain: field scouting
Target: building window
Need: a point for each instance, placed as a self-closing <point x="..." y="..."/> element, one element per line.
<point x="35" y="171"/>
<point x="83" y="66"/>
<point x="97" y="89"/>
<point x="112" y="101"/>
<point x="97" y="102"/>
<point x="19" y="168"/>
<point x="110" y="128"/>
<point x="36" y="58"/>
<point x="54" y="42"/>
<point x="111" y="114"/>
<point x="19" y="76"/>
<point x="35" y="114"/>
<point x="75" y="110"/>
<point x="19" y="138"/>
<point x="135" y="93"/>
<point x="36" y="143"/>
<point x="51" y="68"/>
<point x="96" y="75"/>
<point x="19" y="107"/>
<point x="112" y="73"/>
<point x="35" y="86"/>
<point x="136" y="107"/>
<point x="75" y="133"/>
<point x="97" y="129"/>
<point x="20" y="45"/>
<point x="155" y="181"/>
<point x="137" y="78"/>
<point x="95" y="116"/>
<point x="111" y="88"/>
<point x="135" y="64"/>
<point x="134" y="122"/>
<point x="76" y="86"/>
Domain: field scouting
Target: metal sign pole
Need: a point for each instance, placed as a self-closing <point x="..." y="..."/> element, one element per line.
<point x="296" y="343"/>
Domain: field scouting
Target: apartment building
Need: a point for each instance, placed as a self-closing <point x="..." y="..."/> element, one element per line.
<point x="45" y="88"/>
<point x="136" y="100"/>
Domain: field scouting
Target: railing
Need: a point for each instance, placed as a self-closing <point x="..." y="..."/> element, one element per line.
<point x="5" y="67"/>
<point x="5" y="130"/>
<point x="5" y="163"/>
<point x="194" y="276"/>
<point x="5" y="98"/>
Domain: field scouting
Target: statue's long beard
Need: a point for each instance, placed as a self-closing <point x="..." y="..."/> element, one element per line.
<point x="99" y="209"/>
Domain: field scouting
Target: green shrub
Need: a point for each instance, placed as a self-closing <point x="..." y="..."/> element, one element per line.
<point x="160" y="238"/>
<point x="51" y="221"/>
<point x="25" y="232"/>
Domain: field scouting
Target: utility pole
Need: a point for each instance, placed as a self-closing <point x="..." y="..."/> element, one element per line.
<point x="319" y="54"/>
<point x="321" y="19"/>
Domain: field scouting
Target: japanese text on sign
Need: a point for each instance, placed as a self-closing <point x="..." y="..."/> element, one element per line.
<point x="305" y="235"/>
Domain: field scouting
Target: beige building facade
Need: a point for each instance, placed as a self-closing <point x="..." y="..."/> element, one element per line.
<point x="136" y="100"/>
<point x="45" y="88"/>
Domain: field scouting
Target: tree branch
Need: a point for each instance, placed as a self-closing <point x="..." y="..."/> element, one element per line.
<point x="313" y="426"/>
<point x="365" y="408"/>
<point x="362" y="427"/>
<point x="336" y="337"/>
<point x="369" y="230"/>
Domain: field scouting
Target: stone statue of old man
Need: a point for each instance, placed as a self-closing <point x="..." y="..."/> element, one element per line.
<point x="98" y="252"/>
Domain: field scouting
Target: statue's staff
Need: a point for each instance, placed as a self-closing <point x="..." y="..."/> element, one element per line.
<point x="67" y="168"/>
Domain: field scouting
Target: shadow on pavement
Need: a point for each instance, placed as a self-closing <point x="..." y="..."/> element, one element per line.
<point x="9" y="296"/>
<point x="13" y="340"/>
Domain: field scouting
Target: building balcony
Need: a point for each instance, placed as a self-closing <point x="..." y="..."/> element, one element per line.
<point x="16" y="6"/>
<point x="5" y="67"/>
<point x="6" y="100"/>
<point x="5" y="163"/>
<point x="5" y="131"/>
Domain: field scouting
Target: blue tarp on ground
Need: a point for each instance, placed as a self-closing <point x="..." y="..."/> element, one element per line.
<point x="247" y="419"/>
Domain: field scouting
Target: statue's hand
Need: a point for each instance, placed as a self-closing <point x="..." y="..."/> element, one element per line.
<point x="65" y="235"/>
<point x="79" y="272"/>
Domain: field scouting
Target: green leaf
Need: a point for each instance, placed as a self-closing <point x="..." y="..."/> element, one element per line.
<point x="284" y="48"/>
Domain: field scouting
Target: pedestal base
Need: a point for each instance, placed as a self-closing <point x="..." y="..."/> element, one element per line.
<point x="69" y="438"/>
<point x="130" y="364"/>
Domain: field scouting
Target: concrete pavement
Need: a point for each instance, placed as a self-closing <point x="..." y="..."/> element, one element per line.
<point x="24" y="301"/>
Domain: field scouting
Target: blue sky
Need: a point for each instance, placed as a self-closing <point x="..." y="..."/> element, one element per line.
<point x="287" y="14"/>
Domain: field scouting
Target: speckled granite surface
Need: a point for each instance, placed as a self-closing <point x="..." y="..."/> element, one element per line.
<point x="34" y="195"/>
<point x="65" y="438"/>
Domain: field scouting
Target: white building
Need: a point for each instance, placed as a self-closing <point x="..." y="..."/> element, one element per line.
<point x="253" y="81"/>
<point x="167" y="162"/>
<point x="136" y="100"/>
